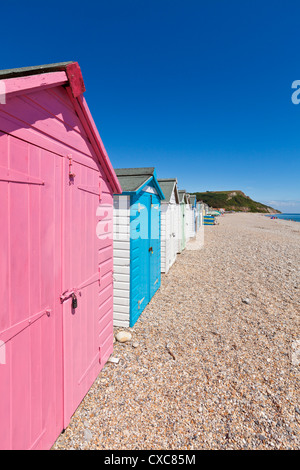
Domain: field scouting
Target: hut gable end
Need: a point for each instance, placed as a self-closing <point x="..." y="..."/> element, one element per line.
<point x="46" y="105"/>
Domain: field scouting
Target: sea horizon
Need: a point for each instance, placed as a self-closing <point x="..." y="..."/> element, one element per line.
<point x="294" y="216"/>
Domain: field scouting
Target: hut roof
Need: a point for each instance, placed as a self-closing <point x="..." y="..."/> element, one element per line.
<point x="193" y="200"/>
<point x="34" y="70"/>
<point x="168" y="185"/>
<point x="134" y="179"/>
<point x="183" y="196"/>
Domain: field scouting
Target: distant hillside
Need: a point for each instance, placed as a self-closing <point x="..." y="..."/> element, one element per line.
<point x="233" y="201"/>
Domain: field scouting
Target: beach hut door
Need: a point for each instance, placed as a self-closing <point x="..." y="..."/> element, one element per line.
<point x="80" y="289"/>
<point x="154" y="241"/>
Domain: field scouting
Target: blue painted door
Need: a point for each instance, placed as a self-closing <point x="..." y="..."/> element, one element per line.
<point x="144" y="252"/>
<point x="154" y="250"/>
<point x="139" y="256"/>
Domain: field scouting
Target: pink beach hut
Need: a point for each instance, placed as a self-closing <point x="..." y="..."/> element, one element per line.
<point x="56" y="263"/>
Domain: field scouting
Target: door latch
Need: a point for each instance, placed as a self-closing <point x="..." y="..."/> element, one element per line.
<point x="74" y="301"/>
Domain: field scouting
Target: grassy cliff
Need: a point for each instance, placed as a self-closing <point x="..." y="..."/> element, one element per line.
<point x="233" y="201"/>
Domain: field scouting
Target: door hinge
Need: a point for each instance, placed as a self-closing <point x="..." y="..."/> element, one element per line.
<point x="9" y="333"/>
<point x="71" y="174"/>
<point x="140" y="301"/>
<point x="100" y="190"/>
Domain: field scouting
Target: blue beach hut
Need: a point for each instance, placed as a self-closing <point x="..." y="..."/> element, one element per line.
<point x="137" y="251"/>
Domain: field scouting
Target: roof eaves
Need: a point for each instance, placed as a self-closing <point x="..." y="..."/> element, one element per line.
<point x="143" y="184"/>
<point x="174" y="188"/>
<point x="176" y="194"/>
<point x="156" y="184"/>
<point x="35" y="70"/>
<point x="86" y="118"/>
<point x="146" y="171"/>
<point x="30" y="79"/>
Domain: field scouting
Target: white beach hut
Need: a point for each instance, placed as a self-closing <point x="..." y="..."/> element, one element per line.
<point x="200" y="210"/>
<point x="183" y="204"/>
<point x="170" y="233"/>
<point x="189" y="219"/>
<point x="193" y="216"/>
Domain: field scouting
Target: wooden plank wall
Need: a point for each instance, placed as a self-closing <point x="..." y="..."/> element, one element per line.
<point x="121" y="260"/>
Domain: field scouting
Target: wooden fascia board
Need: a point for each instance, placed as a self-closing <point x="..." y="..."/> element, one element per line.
<point x="87" y="121"/>
<point x="138" y="190"/>
<point x="157" y="187"/>
<point x="162" y="196"/>
<point x="31" y="83"/>
<point x="176" y="194"/>
<point x="100" y="144"/>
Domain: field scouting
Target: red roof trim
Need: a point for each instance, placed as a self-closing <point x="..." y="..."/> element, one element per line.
<point x="75" y="79"/>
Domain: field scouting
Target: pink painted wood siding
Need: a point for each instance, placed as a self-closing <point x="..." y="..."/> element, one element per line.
<point x="48" y="246"/>
<point x="88" y="339"/>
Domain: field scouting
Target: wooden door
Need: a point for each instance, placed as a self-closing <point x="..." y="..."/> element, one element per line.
<point x="31" y="377"/>
<point x="155" y="248"/>
<point x="139" y="255"/>
<point x="87" y="292"/>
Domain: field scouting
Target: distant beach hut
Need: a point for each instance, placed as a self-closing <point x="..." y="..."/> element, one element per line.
<point x="194" y="217"/>
<point x="183" y="203"/>
<point x="187" y="218"/>
<point x="206" y="208"/>
<point x="190" y="217"/>
<point x="199" y="211"/>
<point x="137" y="250"/>
<point x="169" y="223"/>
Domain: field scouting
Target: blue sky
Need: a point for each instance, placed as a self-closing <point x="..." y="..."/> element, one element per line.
<point x="199" y="89"/>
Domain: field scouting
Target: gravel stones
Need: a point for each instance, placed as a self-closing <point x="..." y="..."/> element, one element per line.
<point x="233" y="384"/>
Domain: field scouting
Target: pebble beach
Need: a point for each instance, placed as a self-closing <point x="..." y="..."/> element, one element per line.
<point x="214" y="360"/>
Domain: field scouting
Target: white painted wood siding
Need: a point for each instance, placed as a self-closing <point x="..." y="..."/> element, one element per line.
<point x="187" y="222"/>
<point x="190" y="222"/>
<point x="164" y="239"/>
<point x="169" y="234"/>
<point x="173" y="234"/>
<point x="179" y="228"/>
<point x="121" y="213"/>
